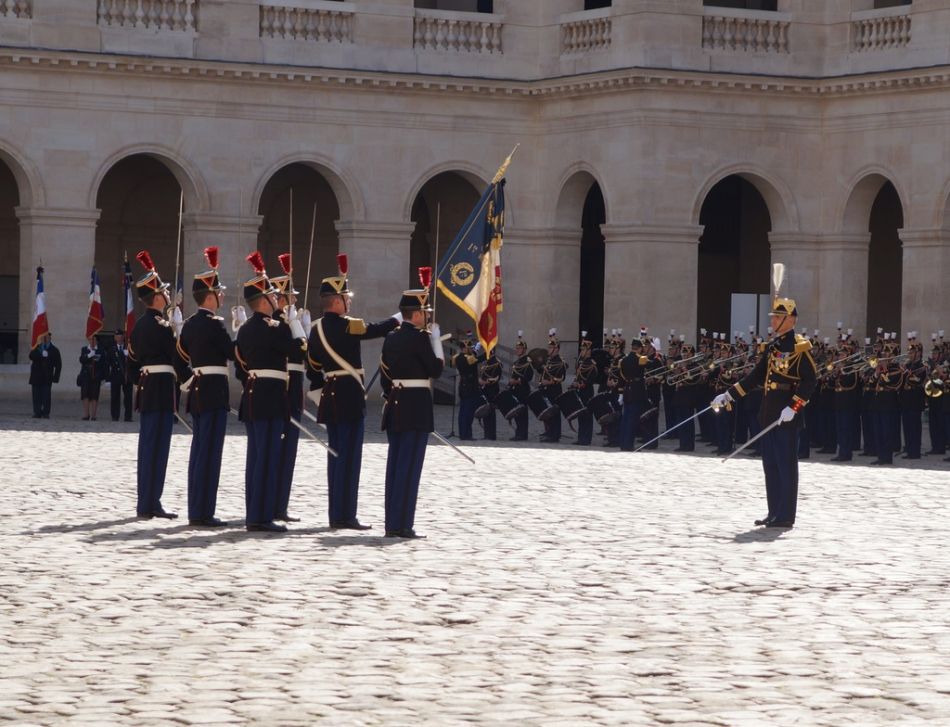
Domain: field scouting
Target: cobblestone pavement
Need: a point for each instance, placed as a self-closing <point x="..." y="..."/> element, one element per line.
<point x="558" y="585"/>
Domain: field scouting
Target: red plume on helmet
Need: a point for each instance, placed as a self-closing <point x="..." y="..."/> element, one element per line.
<point x="257" y="262"/>
<point x="425" y="276"/>
<point x="343" y="264"/>
<point x="146" y="260"/>
<point x="285" y="262"/>
<point x="211" y="255"/>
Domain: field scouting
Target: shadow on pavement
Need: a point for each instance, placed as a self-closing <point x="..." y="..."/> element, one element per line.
<point x="82" y="527"/>
<point x="760" y="535"/>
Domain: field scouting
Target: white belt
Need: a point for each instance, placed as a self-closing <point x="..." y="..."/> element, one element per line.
<point x="158" y="369"/>
<point x="211" y="370"/>
<point x="341" y="372"/>
<point x="299" y="368"/>
<point x="413" y="383"/>
<point x="268" y="374"/>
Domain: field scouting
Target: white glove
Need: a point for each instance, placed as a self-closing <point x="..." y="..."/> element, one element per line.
<point x="477" y="348"/>
<point x="305" y="321"/>
<point x="397" y="316"/>
<point x="45" y="354"/>
<point x="436" y="340"/>
<point x="620" y="400"/>
<point x="787" y="415"/>
<point x="314" y="396"/>
<point x="720" y="400"/>
<point x="296" y="329"/>
<point x="177" y="321"/>
<point x="238" y="317"/>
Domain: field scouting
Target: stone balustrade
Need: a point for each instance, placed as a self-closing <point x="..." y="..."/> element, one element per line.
<point x="583" y="36"/>
<point x="16" y="9"/>
<point x="880" y="30"/>
<point x="457" y="32"/>
<point x="314" y="24"/>
<point x="745" y="32"/>
<point x="168" y="15"/>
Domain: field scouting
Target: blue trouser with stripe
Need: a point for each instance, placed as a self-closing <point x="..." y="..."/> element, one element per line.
<point x="343" y="471"/>
<point x="155" y="438"/>
<point x="407" y="453"/>
<point x="780" y="462"/>
<point x="204" y="462"/>
<point x="262" y="475"/>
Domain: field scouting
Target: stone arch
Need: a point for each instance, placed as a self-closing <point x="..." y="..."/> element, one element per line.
<point x="28" y="178"/>
<point x="862" y="190"/>
<point x="778" y="197"/>
<point x="197" y="197"/>
<point x="347" y="191"/>
<point x="471" y="173"/>
<point x="573" y="187"/>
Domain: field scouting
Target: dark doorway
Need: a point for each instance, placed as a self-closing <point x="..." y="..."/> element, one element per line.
<point x="9" y="268"/>
<point x="734" y="255"/>
<point x="885" y="262"/>
<point x="274" y="238"/>
<point x="593" y="256"/>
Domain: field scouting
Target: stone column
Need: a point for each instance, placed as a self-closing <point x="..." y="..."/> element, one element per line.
<point x="843" y="281"/>
<point x="540" y="275"/>
<point x="651" y="277"/>
<point x="926" y="296"/>
<point x="64" y="241"/>
<point x="799" y="253"/>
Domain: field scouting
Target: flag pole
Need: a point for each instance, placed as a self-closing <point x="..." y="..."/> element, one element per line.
<point x="313" y="229"/>
<point x="290" y="235"/>
<point x="438" y="227"/>
<point x="181" y="207"/>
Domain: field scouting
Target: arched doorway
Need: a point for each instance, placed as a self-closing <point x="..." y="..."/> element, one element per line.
<point x="311" y="192"/>
<point x="734" y="253"/>
<point x="885" y="262"/>
<point x="439" y="211"/>
<point x="10" y="333"/>
<point x="139" y="200"/>
<point x="593" y="258"/>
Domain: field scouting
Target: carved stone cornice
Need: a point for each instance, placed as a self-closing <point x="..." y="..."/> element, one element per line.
<point x="57" y="216"/>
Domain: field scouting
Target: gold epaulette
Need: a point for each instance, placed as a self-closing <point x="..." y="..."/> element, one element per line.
<point x="802" y="344"/>
<point x="355" y="326"/>
<point x="643" y="360"/>
<point x="471" y="359"/>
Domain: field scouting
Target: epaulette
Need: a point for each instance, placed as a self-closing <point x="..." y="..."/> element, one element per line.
<point x="643" y="360"/>
<point x="272" y="322"/>
<point x="217" y="318"/>
<point x="355" y="326"/>
<point x="471" y="359"/>
<point x="162" y="322"/>
<point x="802" y="344"/>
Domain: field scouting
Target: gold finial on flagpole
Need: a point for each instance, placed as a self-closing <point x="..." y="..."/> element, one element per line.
<point x="500" y="174"/>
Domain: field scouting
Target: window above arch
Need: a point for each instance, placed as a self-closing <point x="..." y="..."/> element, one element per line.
<point x="597" y="4"/>
<point x="742" y="4"/>
<point x="465" y="6"/>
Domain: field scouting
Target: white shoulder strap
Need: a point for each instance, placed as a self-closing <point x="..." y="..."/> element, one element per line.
<point x="337" y="358"/>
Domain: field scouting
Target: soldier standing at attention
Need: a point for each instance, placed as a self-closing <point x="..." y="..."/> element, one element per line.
<point x="206" y="346"/>
<point x="411" y="358"/>
<point x="585" y="377"/>
<point x="466" y="363"/>
<point x="264" y="345"/>
<point x="520" y="383"/>
<point x="157" y="367"/>
<point x="786" y="372"/>
<point x="336" y="373"/>
<point x="551" y="376"/>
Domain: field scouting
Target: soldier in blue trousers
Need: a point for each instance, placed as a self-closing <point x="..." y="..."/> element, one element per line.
<point x="206" y="346"/>
<point x="411" y="358"/>
<point x="337" y="385"/>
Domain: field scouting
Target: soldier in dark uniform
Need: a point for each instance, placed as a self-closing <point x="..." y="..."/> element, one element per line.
<point x="46" y="364"/>
<point x="466" y="363"/>
<point x="632" y="382"/>
<point x="847" y="404"/>
<point x="489" y="374"/>
<point x="722" y="378"/>
<point x="787" y="375"/>
<point x="655" y="374"/>
<point x="617" y="347"/>
<point x="337" y="376"/>
<point x="687" y="377"/>
<point x="935" y="400"/>
<point x="264" y="345"/>
<point x="886" y="378"/>
<point x="296" y="368"/>
<point x="912" y="399"/>
<point x="550" y="380"/>
<point x="120" y="386"/>
<point x="520" y="382"/>
<point x="157" y="368"/>
<point x="411" y="358"/>
<point x="206" y="346"/>
<point x="585" y="378"/>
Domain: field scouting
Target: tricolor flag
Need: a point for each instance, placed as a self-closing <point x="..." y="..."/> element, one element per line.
<point x="40" y="323"/>
<point x="469" y="274"/>
<point x="129" y="302"/>
<point x="96" y="314"/>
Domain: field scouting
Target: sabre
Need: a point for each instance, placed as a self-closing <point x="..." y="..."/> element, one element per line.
<point x="313" y="229"/>
<point x="648" y="412"/>
<point x="446" y="441"/>
<point x="312" y="418"/>
<point x="187" y="426"/>
<point x="313" y="436"/>
<point x="674" y="427"/>
<point x="754" y="439"/>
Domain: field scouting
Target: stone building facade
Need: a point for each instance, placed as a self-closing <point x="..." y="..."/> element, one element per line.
<point x="669" y="150"/>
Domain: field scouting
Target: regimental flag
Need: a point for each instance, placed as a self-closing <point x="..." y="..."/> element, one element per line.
<point x="40" y="322"/>
<point x="469" y="274"/>
<point x="96" y="314"/>
<point x="129" y="301"/>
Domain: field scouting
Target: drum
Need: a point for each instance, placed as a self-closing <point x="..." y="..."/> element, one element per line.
<point x="603" y="408"/>
<point x="570" y="405"/>
<point x="509" y="404"/>
<point x="484" y="408"/>
<point x="542" y="408"/>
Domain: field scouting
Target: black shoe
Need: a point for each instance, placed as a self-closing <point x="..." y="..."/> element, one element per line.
<point x="582" y="444"/>
<point x="37" y="416"/>
<point x="547" y="439"/>
<point x="825" y="450"/>
<point x="85" y="419"/>
<point x="946" y="459"/>
<point x="879" y="462"/>
<point x="840" y="459"/>
<point x="144" y="515"/>
<point x="518" y="439"/>
<point x="208" y="522"/>
<point x="162" y="513"/>
<point x="683" y="449"/>
<point x="911" y="456"/>
<point x="350" y="525"/>
<point x="868" y="454"/>
<point x="266" y="528"/>
<point x="285" y="518"/>
<point x="764" y="521"/>
<point x="780" y="524"/>
<point x="393" y="533"/>
<point x="411" y="534"/>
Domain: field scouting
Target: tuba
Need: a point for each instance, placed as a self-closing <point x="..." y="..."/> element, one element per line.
<point x="935" y="387"/>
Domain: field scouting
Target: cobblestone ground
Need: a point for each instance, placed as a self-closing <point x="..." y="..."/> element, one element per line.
<point x="558" y="585"/>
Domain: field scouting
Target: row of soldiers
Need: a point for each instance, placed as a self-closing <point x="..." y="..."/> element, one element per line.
<point x="869" y="397"/>
<point x="280" y="357"/>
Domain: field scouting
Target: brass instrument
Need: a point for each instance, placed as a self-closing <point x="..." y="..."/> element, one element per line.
<point x="935" y="387"/>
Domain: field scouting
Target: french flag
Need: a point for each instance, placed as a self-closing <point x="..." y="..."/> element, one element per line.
<point x="129" y="304"/>
<point x="96" y="313"/>
<point x="40" y="323"/>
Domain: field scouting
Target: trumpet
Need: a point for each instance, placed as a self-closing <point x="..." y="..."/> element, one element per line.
<point x="675" y="364"/>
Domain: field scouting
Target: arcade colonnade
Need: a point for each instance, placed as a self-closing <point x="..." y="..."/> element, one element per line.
<point x="625" y="208"/>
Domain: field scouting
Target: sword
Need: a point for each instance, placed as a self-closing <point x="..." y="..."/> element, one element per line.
<point x="313" y="436"/>
<point x="675" y="426"/>
<point x="312" y="418"/>
<point x="648" y="412"/>
<point x="446" y="441"/>
<point x="754" y="439"/>
<point x="187" y="426"/>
